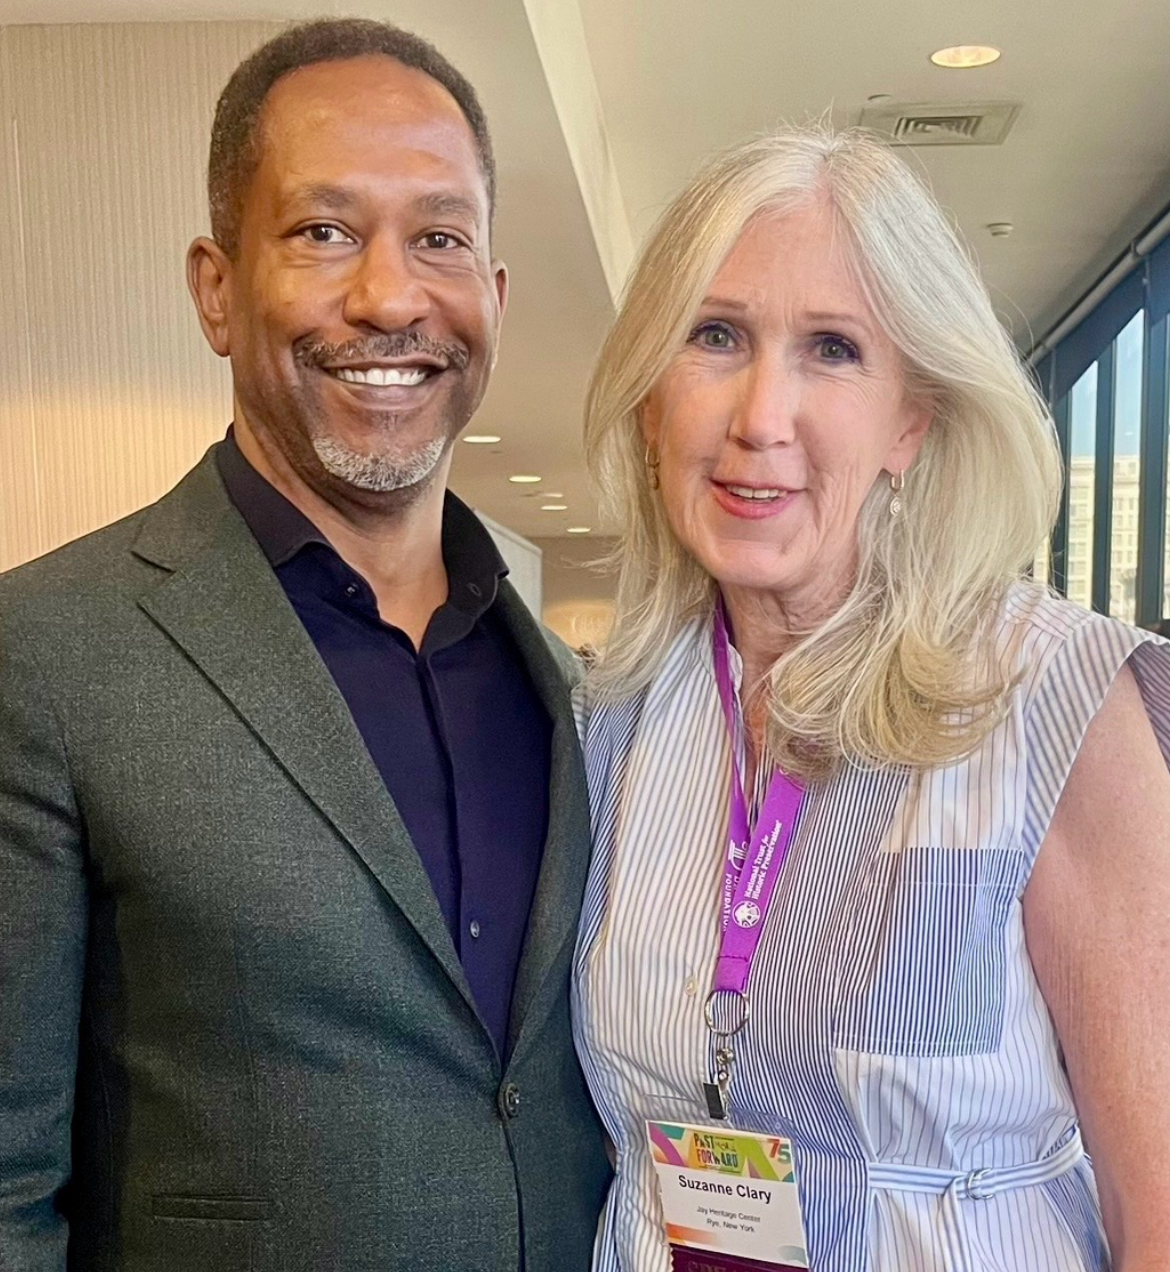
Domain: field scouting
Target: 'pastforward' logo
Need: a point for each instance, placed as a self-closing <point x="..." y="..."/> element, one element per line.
<point x="747" y="914"/>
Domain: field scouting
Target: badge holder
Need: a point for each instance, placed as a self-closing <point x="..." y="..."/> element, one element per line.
<point x="729" y="1198"/>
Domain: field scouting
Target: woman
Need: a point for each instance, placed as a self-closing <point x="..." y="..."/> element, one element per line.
<point x="944" y="959"/>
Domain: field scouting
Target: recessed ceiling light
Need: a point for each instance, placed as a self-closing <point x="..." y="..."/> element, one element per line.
<point x="554" y="507"/>
<point x="964" y="56"/>
<point x="523" y="479"/>
<point x="577" y="529"/>
<point x="552" y="494"/>
<point x="481" y="439"/>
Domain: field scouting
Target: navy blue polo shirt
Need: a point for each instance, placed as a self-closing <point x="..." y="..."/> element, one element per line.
<point x="456" y="728"/>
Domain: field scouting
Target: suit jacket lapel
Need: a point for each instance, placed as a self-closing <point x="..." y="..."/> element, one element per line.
<point x="223" y="605"/>
<point x="557" y="904"/>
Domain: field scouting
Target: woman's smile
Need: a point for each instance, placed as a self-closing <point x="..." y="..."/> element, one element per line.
<point x="752" y="503"/>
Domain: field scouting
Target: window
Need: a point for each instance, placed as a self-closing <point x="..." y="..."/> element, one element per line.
<point x="1108" y="384"/>
<point x="1127" y="433"/>
<point x="1081" y="474"/>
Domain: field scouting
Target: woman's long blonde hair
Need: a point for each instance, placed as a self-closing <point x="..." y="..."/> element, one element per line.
<point x="904" y="671"/>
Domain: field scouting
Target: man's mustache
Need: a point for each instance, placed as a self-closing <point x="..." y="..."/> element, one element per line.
<point x="312" y="352"/>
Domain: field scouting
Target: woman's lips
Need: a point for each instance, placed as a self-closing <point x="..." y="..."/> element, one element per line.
<point x="752" y="503"/>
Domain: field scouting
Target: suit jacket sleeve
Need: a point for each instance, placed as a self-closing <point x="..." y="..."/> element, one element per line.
<point x="42" y="959"/>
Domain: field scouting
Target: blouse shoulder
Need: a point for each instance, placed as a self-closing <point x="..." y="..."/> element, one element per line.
<point x="1065" y="658"/>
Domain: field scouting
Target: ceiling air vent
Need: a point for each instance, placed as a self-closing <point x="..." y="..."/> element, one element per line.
<point x="948" y="124"/>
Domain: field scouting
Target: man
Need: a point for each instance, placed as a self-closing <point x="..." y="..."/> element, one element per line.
<point x="293" y="829"/>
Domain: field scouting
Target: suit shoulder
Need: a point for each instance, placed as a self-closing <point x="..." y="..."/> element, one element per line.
<point x="531" y="634"/>
<point x="568" y="661"/>
<point x="88" y="567"/>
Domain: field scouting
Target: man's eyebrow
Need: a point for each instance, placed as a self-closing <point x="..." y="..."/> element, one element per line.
<point x="322" y="195"/>
<point x="447" y="203"/>
<point x="335" y="198"/>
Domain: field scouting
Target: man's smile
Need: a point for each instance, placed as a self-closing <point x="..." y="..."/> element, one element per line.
<point x="383" y="376"/>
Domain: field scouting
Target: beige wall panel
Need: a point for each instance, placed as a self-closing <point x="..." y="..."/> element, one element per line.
<point x="113" y="124"/>
<point x="21" y="533"/>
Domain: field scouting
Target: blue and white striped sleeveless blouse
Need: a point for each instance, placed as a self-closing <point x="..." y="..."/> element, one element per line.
<point x="898" y="1035"/>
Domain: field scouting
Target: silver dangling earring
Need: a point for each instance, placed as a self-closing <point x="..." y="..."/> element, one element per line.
<point x="897" y="485"/>
<point x="652" y="465"/>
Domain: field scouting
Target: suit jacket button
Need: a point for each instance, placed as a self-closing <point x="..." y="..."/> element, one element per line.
<point x="509" y="1099"/>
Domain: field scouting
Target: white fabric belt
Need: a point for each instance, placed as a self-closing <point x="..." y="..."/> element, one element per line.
<point x="975" y="1185"/>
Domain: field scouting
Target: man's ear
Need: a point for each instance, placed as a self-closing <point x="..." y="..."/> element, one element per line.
<point x="209" y="271"/>
<point x="500" y="279"/>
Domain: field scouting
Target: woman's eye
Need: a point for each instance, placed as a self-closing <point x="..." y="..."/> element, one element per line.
<point x="837" y="349"/>
<point x="325" y="234"/>
<point x="713" y="335"/>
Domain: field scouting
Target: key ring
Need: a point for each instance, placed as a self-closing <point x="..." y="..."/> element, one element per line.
<point x="709" y="1017"/>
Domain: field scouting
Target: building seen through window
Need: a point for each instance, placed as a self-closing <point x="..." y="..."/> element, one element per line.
<point x="1107" y="384"/>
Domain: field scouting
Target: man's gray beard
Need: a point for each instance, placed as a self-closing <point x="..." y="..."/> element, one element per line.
<point x="380" y="473"/>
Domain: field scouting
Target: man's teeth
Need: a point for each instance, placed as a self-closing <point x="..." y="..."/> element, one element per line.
<point x="382" y="375"/>
<point x="756" y="492"/>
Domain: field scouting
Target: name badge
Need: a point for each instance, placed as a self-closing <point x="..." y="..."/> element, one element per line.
<point x="729" y="1198"/>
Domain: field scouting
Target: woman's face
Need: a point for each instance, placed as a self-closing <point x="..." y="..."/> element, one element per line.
<point x="784" y="407"/>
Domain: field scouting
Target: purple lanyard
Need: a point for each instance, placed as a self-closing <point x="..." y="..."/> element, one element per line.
<point x="754" y="859"/>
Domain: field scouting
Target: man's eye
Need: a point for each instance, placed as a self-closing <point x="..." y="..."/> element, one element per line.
<point x="325" y="234"/>
<point x="713" y="335"/>
<point x="837" y="349"/>
<point x="439" y="241"/>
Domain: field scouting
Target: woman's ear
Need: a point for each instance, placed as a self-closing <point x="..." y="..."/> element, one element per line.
<point x="650" y="419"/>
<point x="917" y="419"/>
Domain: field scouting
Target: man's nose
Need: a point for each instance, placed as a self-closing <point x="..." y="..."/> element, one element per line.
<point x="387" y="291"/>
<point x="765" y="414"/>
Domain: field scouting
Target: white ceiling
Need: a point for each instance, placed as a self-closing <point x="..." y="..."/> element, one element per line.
<point x="600" y="109"/>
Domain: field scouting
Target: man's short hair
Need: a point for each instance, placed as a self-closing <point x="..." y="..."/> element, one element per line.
<point x="235" y="134"/>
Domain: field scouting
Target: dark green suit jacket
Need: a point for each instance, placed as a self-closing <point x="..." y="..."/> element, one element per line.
<point x="234" y="1032"/>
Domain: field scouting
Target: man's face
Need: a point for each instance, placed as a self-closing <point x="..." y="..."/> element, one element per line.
<point x="363" y="307"/>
